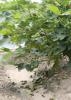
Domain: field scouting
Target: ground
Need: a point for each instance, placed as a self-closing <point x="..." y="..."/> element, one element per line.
<point x="57" y="87"/>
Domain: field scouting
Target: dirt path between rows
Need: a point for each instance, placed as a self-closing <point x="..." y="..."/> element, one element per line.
<point x="5" y="93"/>
<point x="58" y="88"/>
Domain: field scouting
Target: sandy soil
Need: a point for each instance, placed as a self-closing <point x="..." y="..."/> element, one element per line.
<point x="58" y="87"/>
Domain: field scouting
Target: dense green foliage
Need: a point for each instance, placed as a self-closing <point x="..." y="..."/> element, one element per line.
<point x="44" y="27"/>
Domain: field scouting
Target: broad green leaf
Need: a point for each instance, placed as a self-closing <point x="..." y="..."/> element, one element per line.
<point x="61" y="37"/>
<point x="54" y="9"/>
<point x="5" y="32"/>
<point x="65" y="2"/>
<point x="16" y="15"/>
<point x="6" y="49"/>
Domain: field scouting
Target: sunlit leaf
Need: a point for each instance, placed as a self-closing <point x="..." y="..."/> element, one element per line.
<point x="54" y="9"/>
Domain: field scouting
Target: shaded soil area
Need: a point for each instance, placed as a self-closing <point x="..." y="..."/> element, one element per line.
<point x="57" y="87"/>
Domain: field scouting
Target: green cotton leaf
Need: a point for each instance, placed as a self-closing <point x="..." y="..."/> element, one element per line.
<point x="5" y="31"/>
<point x="20" y="50"/>
<point x="65" y="2"/>
<point x="54" y="9"/>
<point x="61" y="37"/>
<point x="67" y="12"/>
<point x="17" y="15"/>
<point x="6" y="49"/>
<point x="30" y="67"/>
